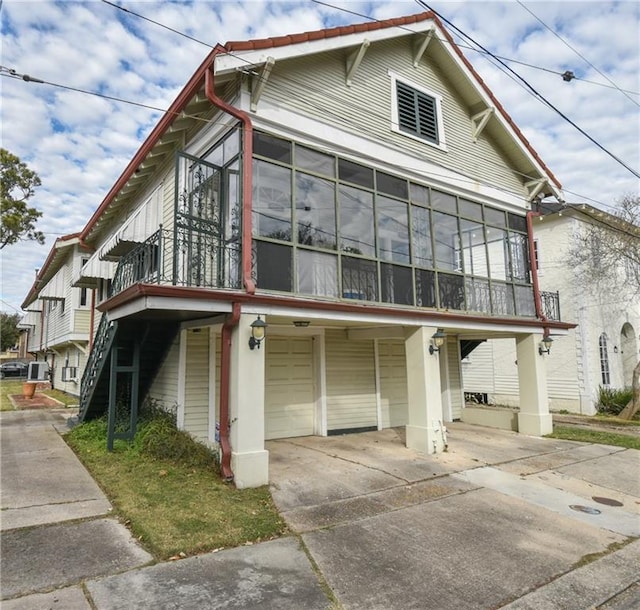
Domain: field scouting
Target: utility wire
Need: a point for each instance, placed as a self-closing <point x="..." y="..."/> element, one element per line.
<point x="10" y="72"/>
<point x="535" y="93"/>
<point x="526" y="8"/>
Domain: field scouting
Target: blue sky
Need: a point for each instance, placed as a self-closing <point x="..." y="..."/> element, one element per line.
<point x="79" y="144"/>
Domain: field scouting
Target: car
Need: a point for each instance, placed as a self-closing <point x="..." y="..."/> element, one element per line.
<point x="13" y="369"/>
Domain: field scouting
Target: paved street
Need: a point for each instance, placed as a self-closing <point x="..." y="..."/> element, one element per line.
<point x="498" y="521"/>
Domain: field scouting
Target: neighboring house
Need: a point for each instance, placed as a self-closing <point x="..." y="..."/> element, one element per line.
<point x="604" y="348"/>
<point x="360" y="191"/>
<point x="58" y="319"/>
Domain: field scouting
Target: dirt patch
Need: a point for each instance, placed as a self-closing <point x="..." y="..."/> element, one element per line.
<point x="39" y="401"/>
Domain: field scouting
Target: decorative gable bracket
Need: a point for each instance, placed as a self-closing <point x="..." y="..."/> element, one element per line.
<point x="421" y="46"/>
<point x="259" y="82"/>
<point x="353" y="61"/>
<point x="534" y="187"/>
<point x="480" y="120"/>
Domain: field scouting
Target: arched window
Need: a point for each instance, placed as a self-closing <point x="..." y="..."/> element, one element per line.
<point x="604" y="360"/>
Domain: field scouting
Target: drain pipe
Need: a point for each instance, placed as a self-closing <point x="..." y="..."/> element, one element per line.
<point x="225" y="373"/>
<point x="247" y="171"/>
<point x="534" y="269"/>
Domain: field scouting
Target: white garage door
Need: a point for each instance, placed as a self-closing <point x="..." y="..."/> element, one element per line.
<point x="289" y="391"/>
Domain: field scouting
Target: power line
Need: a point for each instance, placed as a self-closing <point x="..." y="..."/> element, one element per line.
<point x="535" y="93"/>
<point x="526" y="8"/>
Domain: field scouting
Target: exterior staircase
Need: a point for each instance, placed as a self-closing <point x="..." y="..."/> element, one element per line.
<point x="153" y="339"/>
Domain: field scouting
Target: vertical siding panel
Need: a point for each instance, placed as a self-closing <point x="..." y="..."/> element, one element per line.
<point x="164" y="388"/>
<point x="196" y="408"/>
<point x="456" y="395"/>
<point x="393" y="383"/>
<point x="351" y="382"/>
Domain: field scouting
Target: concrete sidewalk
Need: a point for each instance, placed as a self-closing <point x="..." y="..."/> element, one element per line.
<point x="496" y="522"/>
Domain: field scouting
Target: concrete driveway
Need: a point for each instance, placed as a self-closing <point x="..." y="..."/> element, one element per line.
<point x="498" y="519"/>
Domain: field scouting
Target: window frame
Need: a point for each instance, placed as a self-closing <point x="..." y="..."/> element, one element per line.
<point x="441" y="144"/>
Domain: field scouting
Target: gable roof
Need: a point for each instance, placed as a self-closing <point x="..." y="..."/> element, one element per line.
<point x="288" y="45"/>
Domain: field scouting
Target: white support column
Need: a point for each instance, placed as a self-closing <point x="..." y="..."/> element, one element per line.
<point x="425" y="427"/>
<point x="249" y="459"/>
<point x="534" y="418"/>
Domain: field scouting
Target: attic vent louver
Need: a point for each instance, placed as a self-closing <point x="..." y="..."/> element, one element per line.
<point x="417" y="113"/>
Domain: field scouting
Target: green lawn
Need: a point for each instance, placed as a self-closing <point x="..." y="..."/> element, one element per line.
<point x="177" y="504"/>
<point x="586" y="435"/>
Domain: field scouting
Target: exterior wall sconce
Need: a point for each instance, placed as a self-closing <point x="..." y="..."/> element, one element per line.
<point x="545" y="345"/>
<point x="437" y="341"/>
<point x="258" y="329"/>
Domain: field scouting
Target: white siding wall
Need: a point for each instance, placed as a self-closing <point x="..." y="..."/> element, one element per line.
<point x="289" y="391"/>
<point x="351" y="382"/>
<point x="164" y="388"/>
<point x="454" y="387"/>
<point x="478" y="370"/>
<point x="364" y="108"/>
<point x="393" y="383"/>
<point x="196" y="407"/>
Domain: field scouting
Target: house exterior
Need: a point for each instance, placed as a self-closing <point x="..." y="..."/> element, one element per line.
<point x="56" y="327"/>
<point x="361" y="192"/>
<point x="601" y="351"/>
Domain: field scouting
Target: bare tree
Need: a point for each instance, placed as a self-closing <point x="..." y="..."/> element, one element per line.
<point x="605" y="255"/>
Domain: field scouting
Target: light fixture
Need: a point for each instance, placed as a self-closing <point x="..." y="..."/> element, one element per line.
<point x="437" y="341"/>
<point x="258" y="329"/>
<point x="301" y="323"/>
<point x="545" y="345"/>
<point x="615" y="349"/>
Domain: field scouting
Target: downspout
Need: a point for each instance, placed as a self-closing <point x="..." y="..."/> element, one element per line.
<point x="534" y="269"/>
<point x="249" y="285"/>
<point x="247" y="171"/>
<point x="225" y="372"/>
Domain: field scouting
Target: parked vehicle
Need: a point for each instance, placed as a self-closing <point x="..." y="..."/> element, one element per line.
<point x="13" y="369"/>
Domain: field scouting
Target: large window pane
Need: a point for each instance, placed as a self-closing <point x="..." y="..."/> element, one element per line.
<point x="356" y="221"/>
<point x="396" y="284"/>
<point x="421" y="237"/>
<point x="443" y="202"/>
<point x="470" y="209"/>
<point x="502" y="299"/>
<point x="393" y="230"/>
<point x="495" y="217"/>
<point x="519" y="245"/>
<point x="425" y="288"/>
<point x="359" y="279"/>
<point x="273" y="148"/>
<point x="315" y="211"/>
<point x="497" y="247"/>
<point x="271" y="200"/>
<point x="474" y="251"/>
<point x="391" y="185"/>
<point x="419" y="194"/>
<point x="355" y="173"/>
<point x="517" y="223"/>
<point x="317" y="273"/>
<point x="525" y="305"/>
<point x="316" y="162"/>
<point x="451" y="291"/>
<point x="447" y="242"/>
<point x="478" y="295"/>
<point x="272" y="266"/>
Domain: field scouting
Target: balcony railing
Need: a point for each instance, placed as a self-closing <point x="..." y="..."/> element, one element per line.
<point x="551" y="305"/>
<point x="180" y="258"/>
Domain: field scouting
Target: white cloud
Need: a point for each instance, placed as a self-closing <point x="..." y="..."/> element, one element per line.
<point x="80" y="144"/>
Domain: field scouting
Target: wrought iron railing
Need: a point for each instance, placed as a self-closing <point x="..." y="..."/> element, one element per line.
<point x="551" y="305"/>
<point x="180" y="258"/>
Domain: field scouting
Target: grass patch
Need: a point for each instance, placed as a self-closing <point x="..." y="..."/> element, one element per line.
<point x="166" y="488"/>
<point x="68" y="400"/>
<point x="7" y="387"/>
<point x="569" y="433"/>
<point x="612" y="548"/>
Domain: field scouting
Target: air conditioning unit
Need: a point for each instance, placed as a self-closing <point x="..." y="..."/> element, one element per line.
<point x="38" y="371"/>
<point x="69" y="373"/>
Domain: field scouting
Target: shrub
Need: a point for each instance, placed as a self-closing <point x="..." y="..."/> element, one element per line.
<point x="611" y="401"/>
